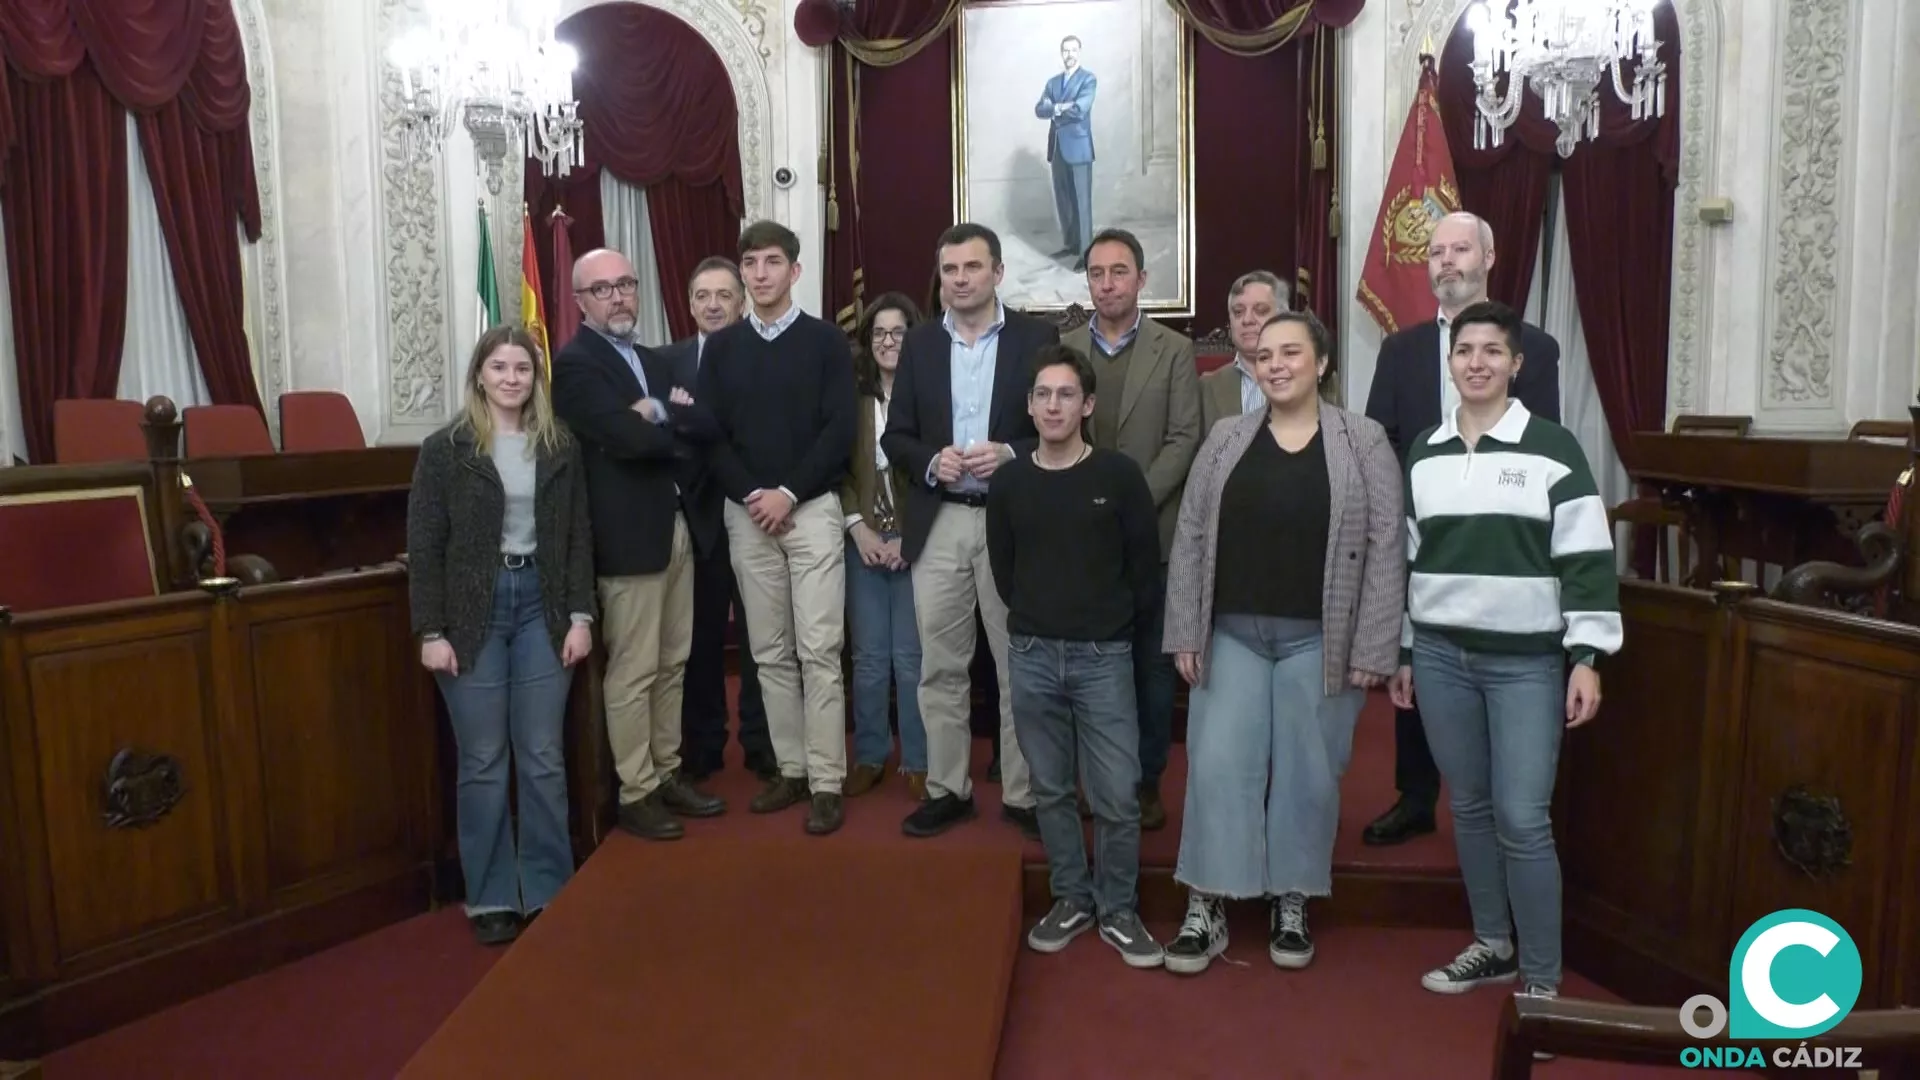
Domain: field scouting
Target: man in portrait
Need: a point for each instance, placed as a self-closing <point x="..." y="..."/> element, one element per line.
<point x="1067" y="106"/>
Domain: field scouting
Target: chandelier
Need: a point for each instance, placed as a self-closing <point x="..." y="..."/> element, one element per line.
<point x="1562" y="50"/>
<point x="494" y="67"/>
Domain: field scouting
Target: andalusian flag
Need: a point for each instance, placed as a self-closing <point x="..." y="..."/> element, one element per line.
<point x="533" y="310"/>
<point x="488" y="315"/>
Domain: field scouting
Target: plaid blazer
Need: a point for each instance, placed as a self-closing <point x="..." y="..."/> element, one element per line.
<point x="1365" y="578"/>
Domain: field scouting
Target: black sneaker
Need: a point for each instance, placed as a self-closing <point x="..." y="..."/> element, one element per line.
<point x="495" y="927"/>
<point x="1065" y="922"/>
<point x="1202" y="936"/>
<point x="1289" y="945"/>
<point x="1477" y="965"/>
<point x="937" y="815"/>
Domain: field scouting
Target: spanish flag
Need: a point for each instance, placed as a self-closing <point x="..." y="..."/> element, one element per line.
<point x="533" y="310"/>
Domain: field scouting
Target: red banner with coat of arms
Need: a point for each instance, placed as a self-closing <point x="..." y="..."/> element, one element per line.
<point x="1420" y="191"/>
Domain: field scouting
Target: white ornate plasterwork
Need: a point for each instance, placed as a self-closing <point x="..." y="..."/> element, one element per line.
<point x="1807" y="213"/>
<point x="725" y="25"/>
<point x="268" y="319"/>
<point x="413" y="239"/>
<point x="753" y="19"/>
<point x="1701" y="27"/>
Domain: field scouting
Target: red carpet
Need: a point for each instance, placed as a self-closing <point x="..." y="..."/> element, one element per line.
<point x="736" y="959"/>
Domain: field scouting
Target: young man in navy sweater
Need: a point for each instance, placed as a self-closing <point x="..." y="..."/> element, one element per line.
<point x="1074" y="540"/>
<point x="779" y="385"/>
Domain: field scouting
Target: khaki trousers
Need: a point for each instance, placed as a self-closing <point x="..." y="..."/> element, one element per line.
<point x="647" y="625"/>
<point x="952" y="580"/>
<point x="794" y="590"/>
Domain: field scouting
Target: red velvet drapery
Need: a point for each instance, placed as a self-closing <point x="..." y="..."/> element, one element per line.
<point x="74" y="67"/>
<point x="659" y="113"/>
<point x="1252" y="158"/>
<point x="1619" y="204"/>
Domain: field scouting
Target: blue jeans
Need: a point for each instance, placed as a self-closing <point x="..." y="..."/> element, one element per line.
<point x="1494" y="721"/>
<point x="1073" y="701"/>
<point x="1267" y="748"/>
<point x="513" y="693"/>
<point x="886" y="657"/>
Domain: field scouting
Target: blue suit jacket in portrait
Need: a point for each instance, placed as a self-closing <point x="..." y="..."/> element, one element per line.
<point x="1071" y="134"/>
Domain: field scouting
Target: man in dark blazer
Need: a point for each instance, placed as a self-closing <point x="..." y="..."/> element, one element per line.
<point x="959" y="401"/>
<point x="1411" y="389"/>
<point x="636" y="429"/>
<point x="717" y="297"/>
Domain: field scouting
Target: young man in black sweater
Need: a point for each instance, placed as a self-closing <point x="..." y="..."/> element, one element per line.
<point x="1075" y="547"/>
<point x="779" y="386"/>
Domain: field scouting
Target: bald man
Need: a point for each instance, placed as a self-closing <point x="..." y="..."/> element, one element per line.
<point x="637" y="431"/>
<point x="1411" y="388"/>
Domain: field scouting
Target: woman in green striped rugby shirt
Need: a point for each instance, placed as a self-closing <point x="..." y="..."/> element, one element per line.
<point x="1512" y="580"/>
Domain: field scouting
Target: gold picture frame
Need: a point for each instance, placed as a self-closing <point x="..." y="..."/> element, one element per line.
<point x="1004" y="179"/>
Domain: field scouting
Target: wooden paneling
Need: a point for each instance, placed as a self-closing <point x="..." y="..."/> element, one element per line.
<point x="1751" y="756"/>
<point x="326" y="690"/>
<point x="111" y="884"/>
<point x="305" y="815"/>
<point x="1636" y="870"/>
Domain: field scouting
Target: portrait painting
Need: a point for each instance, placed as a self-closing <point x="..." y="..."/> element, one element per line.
<point x="1073" y="116"/>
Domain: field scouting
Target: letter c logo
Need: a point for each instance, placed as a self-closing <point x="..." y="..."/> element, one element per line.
<point x="1795" y="974"/>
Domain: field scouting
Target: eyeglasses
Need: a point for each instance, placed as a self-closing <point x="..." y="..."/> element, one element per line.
<point x="881" y="337"/>
<point x="1066" y="395"/>
<point x="604" y="290"/>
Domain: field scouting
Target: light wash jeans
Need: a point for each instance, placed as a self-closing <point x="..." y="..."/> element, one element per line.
<point x="1073" y="701"/>
<point x="1494" y="721"/>
<point x="1266" y="750"/>
<point x="886" y="657"/>
<point x="512" y="694"/>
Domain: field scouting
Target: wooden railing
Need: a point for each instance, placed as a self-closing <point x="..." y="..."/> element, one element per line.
<point x="1752" y="755"/>
<point x="202" y="785"/>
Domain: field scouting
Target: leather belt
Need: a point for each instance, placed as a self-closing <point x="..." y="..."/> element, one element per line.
<point x="516" y="562"/>
<point x="966" y="498"/>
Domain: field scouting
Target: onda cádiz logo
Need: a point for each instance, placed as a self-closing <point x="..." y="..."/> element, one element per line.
<point x="1794" y="975"/>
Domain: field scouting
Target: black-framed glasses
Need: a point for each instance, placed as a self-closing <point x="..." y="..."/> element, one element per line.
<point x="882" y="336"/>
<point x="604" y="290"/>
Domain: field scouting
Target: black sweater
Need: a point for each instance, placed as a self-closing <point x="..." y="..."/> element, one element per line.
<point x="1075" y="552"/>
<point x="784" y="408"/>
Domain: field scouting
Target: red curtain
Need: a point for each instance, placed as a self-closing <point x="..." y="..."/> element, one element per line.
<point x="1316" y="244"/>
<point x="659" y="114"/>
<point x="74" y="68"/>
<point x="1506" y="184"/>
<point x="66" y="212"/>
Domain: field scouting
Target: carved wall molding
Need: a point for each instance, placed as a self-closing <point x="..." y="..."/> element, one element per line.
<point x="1810" y="151"/>
<point x="140" y="788"/>
<point x="1702" y="25"/>
<point x="753" y="19"/>
<point x="267" y="320"/>
<point x="413" y="245"/>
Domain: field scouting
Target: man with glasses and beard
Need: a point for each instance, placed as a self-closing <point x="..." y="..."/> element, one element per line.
<point x="636" y="429"/>
<point x="1412" y="390"/>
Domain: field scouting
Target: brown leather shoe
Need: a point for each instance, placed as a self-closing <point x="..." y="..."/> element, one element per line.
<point x="864" y="778"/>
<point x="780" y="793"/>
<point x="827" y="814"/>
<point x="917" y="785"/>
<point x="1153" y="812"/>
<point x="650" y="820"/>
<point x="686" y="800"/>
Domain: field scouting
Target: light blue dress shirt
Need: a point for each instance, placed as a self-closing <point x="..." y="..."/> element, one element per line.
<point x="972" y="387"/>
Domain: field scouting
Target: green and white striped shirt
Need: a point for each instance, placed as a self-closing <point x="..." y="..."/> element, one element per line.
<point x="1508" y="542"/>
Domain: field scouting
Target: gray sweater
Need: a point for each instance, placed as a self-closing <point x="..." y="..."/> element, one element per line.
<point x="456" y="518"/>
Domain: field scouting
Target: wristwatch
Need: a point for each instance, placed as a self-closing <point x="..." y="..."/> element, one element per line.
<point x="436" y="636"/>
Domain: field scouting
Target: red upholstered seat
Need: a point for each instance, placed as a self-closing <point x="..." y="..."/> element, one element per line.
<point x="226" y="431"/>
<point x="316" y="420"/>
<point x="87" y="431"/>
<point x="67" y="548"/>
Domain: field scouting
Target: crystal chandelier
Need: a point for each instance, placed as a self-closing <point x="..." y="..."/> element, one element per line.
<point x="494" y="67"/>
<point x="1561" y="50"/>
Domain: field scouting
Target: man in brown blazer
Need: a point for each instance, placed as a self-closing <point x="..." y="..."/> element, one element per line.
<point x="1255" y="297"/>
<point x="1150" y="413"/>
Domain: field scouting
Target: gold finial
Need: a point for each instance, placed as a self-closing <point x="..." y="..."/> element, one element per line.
<point x="1426" y="47"/>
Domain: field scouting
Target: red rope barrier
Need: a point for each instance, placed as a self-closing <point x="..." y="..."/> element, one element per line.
<point x="213" y="527"/>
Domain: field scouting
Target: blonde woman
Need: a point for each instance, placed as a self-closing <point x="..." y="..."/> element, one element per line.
<point x="501" y="566"/>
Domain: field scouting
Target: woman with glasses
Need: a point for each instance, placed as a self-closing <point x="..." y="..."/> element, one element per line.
<point x="1284" y="597"/>
<point x="500" y="578"/>
<point x="886" y="645"/>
